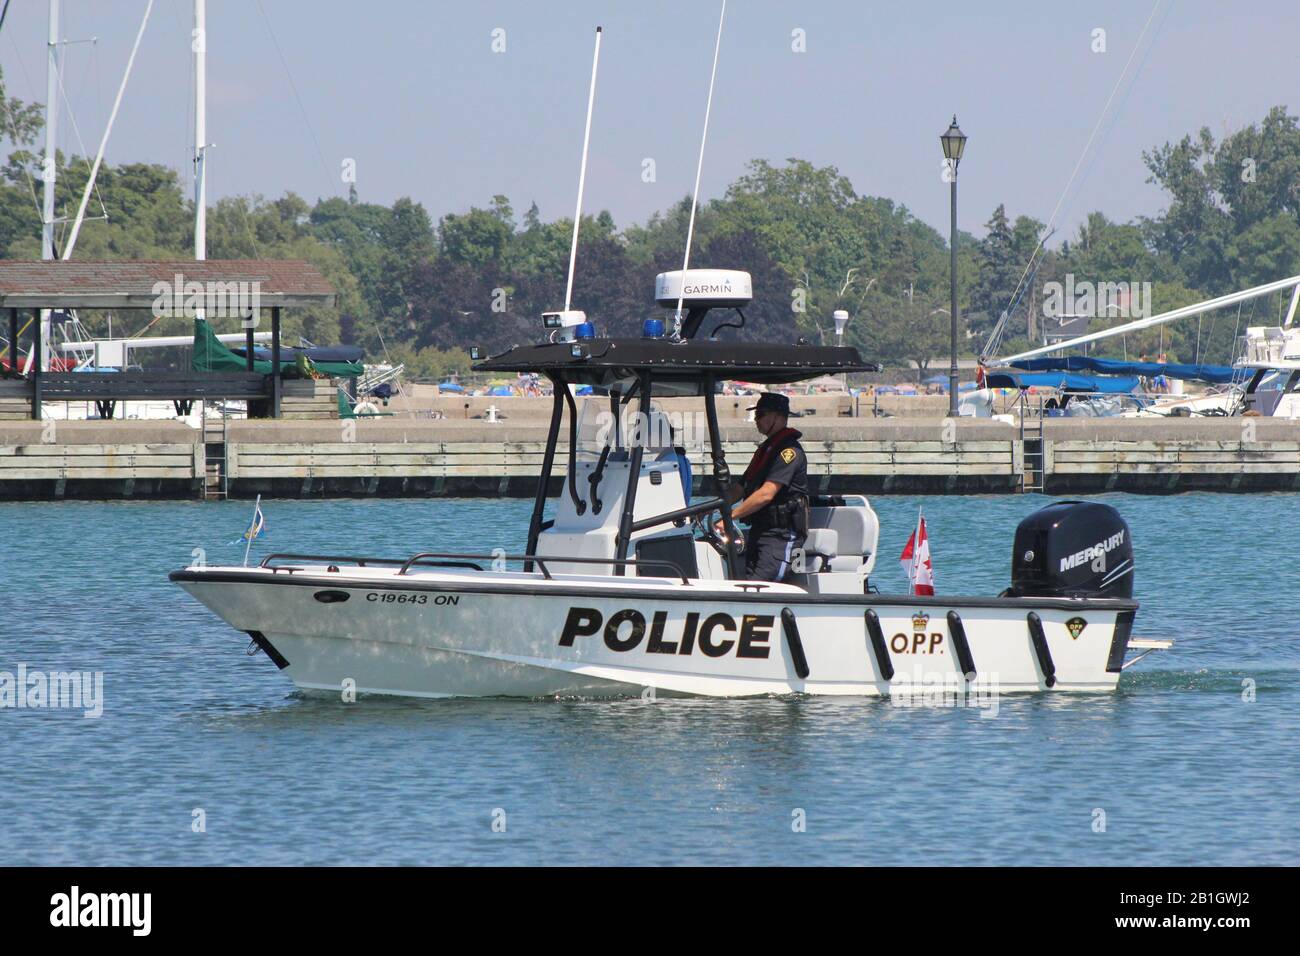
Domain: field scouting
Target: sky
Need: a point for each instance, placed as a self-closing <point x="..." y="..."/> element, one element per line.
<point x="416" y="96"/>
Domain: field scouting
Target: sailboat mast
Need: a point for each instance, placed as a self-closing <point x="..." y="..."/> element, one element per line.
<point x="48" y="166"/>
<point x="48" y="172"/>
<point x="199" y="46"/>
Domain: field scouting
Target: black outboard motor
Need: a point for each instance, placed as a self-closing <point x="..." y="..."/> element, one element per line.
<point x="1073" y="549"/>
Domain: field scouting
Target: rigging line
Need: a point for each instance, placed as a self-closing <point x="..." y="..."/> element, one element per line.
<point x="1105" y="108"/>
<point x="1128" y="92"/>
<point x="13" y="125"/>
<point x="90" y="59"/>
<point x="1021" y="289"/>
<point x="22" y="66"/>
<point x="582" y="175"/>
<point x="1088" y="145"/>
<point x="12" y="135"/>
<point x="294" y="86"/>
<point x="85" y="154"/>
<point x="184" y="28"/>
<point x="99" y="80"/>
<point x="248" y="226"/>
<point x="699" y="168"/>
<point x="103" y="143"/>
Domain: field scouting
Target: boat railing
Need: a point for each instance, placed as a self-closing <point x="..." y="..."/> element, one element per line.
<point x="333" y="560"/>
<point x="465" y="561"/>
<point x="541" y="561"/>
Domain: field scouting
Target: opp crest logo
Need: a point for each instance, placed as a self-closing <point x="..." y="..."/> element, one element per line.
<point x="1075" y="626"/>
<point x="921" y="640"/>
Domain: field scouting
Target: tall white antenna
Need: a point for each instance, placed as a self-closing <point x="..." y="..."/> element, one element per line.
<point x="582" y="175"/>
<point x="699" y="168"/>
<point x="199" y="46"/>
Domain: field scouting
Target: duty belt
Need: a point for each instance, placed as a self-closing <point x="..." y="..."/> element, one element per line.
<point x="788" y="515"/>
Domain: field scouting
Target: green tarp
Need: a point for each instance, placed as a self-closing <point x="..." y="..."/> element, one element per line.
<point x="212" y="355"/>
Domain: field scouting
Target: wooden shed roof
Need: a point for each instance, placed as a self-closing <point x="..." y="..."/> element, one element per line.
<point x="213" y="284"/>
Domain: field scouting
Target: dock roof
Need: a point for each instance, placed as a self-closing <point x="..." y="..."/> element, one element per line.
<point x="136" y="283"/>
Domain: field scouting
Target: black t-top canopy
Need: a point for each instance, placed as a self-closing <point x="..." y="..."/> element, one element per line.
<point x="603" y="362"/>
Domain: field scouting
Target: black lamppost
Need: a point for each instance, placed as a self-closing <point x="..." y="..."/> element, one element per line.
<point x="954" y="144"/>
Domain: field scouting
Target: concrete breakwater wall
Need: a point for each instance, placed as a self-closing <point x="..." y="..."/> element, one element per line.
<point x="418" y="401"/>
<point x="400" y="457"/>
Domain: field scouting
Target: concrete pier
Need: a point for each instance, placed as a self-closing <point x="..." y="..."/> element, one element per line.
<point x="415" y="457"/>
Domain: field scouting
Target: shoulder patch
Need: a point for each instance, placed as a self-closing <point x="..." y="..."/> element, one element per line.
<point x="787" y="455"/>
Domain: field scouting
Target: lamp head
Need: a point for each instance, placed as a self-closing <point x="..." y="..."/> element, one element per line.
<point x="841" y="320"/>
<point x="954" y="143"/>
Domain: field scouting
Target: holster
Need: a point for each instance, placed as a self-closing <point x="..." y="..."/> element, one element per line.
<point x="788" y="515"/>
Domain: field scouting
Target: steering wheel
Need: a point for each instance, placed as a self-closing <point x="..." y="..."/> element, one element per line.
<point x="704" y="525"/>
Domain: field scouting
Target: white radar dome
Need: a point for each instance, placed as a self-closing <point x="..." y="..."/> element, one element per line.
<point x="704" y="288"/>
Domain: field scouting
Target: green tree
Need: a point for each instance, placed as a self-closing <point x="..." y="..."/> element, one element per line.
<point x="999" y="269"/>
<point x="475" y="238"/>
<point x="907" y="329"/>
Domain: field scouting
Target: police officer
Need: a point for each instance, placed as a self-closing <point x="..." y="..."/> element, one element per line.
<point x="776" y="493"/>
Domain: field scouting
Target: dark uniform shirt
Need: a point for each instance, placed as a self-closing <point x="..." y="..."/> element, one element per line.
<point x="787" y="466"/>
<point x="777" y="531"/>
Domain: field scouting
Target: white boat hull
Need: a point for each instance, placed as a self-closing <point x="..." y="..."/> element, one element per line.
<point x="452" y="633"/>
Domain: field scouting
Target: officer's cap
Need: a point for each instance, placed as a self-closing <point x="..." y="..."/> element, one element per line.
<point x="772" y="401"/>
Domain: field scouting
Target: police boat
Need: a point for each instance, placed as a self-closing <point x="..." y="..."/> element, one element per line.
<point x="624" y="584"/>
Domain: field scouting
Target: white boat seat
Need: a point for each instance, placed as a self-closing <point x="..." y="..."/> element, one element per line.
<point x="821" y="543"/>
<point x="857" y="530"/>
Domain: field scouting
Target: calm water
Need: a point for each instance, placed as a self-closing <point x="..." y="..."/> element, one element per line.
<point x="1186" y="771"/>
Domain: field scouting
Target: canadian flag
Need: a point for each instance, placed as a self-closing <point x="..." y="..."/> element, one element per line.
<point x="916" y="560"/>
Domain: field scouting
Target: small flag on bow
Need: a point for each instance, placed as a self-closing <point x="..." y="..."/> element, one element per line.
<point x="256" y="528"/>
<point x="258" y="525"/>
<point x="916" y="560"/>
